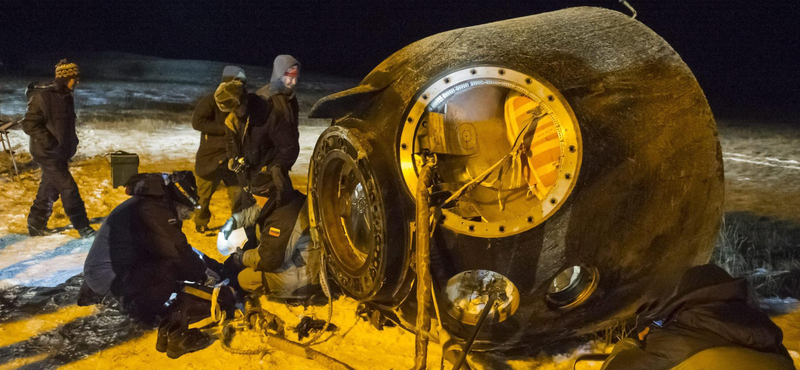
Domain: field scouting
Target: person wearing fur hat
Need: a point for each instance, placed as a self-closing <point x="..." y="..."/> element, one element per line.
<point x="50" y="123"/>
<point x="211" y="164"/>
<point x="708" y="324"/>
<point x="260" y="137"/>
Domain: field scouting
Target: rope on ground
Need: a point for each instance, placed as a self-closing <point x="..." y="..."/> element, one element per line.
<point x="248" y="352"/>
<point x="289" y="346"/>
<point x="323" y="281"/>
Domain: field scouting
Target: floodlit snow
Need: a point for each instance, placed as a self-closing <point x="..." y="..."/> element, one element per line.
<point x="22" y="258"/>
<point x="48" y="261"/>
<point x="113" y="119"/>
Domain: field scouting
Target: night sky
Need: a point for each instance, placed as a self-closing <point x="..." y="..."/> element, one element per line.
<point x="745" y="53"/>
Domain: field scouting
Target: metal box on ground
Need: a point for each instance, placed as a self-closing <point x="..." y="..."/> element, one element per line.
<point x="123" y="166"/>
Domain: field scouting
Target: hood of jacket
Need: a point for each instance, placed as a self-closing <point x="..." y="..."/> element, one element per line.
<point x="51" y="85"/>
<point x="723" y="309"/>
<point x="281" y="64"/>
<point x="275" y="85"/>
<point x="147" y="184"/>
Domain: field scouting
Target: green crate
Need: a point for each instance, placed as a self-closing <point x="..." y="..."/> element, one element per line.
<point x="123" y="166"/>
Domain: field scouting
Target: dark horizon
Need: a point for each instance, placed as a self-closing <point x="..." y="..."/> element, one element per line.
<point x="744" y="54"/>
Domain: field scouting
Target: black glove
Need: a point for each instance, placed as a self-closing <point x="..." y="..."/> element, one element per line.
<point x="234" y="264"/>
<point x="228" y="227"/>
<point x="282" y="183"/>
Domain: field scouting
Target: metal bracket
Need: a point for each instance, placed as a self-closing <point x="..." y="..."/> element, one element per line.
<point x="627" y="5"/>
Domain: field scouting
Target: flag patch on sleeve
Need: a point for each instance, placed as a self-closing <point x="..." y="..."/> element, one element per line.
<point x="274" y="231"/>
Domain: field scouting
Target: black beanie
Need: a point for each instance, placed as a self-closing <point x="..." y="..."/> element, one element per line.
<point x="262" y="185"/>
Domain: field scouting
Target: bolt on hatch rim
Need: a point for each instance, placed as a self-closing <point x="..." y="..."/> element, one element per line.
<point x="472" y="118"/>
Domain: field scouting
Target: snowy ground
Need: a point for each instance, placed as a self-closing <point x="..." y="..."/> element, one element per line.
<point x="151" y="119"/>
<point x="161" y="150"/>
<point x="49" y="261"/>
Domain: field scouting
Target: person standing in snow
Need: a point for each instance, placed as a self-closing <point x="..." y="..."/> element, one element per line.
<point x="50" y="123"/>
<point x="260" y="137"/>
<point x="285" y="72"/>
<point x="708" y="324"/>
<point x="211" y="166"/>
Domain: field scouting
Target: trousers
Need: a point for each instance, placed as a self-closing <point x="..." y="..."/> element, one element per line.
<point x="207" y="185"/>
<point x="57" y="182"/>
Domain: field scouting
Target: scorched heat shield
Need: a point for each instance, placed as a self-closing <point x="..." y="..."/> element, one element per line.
<point x="579" y="157"/>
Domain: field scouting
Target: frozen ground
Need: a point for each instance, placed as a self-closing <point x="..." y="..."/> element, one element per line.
<point x="27" y="262"/>
<point x="40" y="327"/>
<point x="762" y="169"/>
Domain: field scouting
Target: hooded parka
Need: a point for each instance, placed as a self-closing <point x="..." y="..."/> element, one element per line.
<point x="284" y="98"/>
<point x="50" y="123"/>
<point x="210" y="121"/>
<point x="264" y="137"/>
<point x="714" y="318"/>
<point x="140" y="252"/>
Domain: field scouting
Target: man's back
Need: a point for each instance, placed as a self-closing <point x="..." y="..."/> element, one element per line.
<point x="210" y="121"/>
<point x="50" y="122"/>
<point x="114" y="249"/>
<point x="709" y="315"/>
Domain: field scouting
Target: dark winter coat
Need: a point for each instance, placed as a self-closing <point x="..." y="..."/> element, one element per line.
<point x="210" y="121"/>
<point x="50" y="122"/>
<point x="284" y="98"/>
<point x="276" y="229"/>
<point x="715" y="316"/>
<point x="265" y="137"/>
<point x="142" y="230"/>
<point x="282" y="101"/>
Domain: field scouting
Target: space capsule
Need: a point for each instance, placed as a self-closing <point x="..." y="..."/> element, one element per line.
<point x="577" y="175"/>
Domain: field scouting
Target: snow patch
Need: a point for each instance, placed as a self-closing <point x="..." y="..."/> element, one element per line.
<point x="779" y="305"/>
<point x="766" y="161"/>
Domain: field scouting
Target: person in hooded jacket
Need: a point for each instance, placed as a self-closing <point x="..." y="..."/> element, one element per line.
<point x="707" y="325"/>
<point x="280" y="89"/>
<point x="260" y="137"/>
<point x="211" y="165"/>
<point x="140" y="255"/>
<point x="50" y="123"/>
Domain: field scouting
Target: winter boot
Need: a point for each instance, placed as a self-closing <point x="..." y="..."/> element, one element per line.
<point x="182" y="340"/>
<point x="39" y="231"/>
<point x="87" y="296"/>
<point x="163" y="334"/>
<point x="87" y="232"/>
<point x="169" y="323"/>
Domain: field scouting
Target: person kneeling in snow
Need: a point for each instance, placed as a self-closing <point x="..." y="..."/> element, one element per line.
<point x="141" y="258"/>
<point x="707" y="325"/>
<point x="286" y="263"/>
